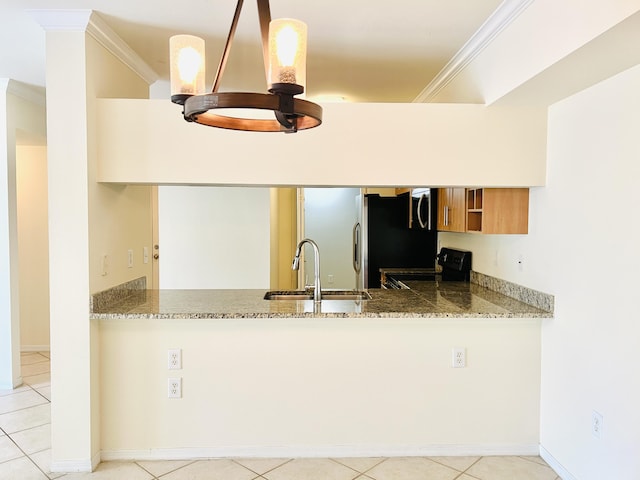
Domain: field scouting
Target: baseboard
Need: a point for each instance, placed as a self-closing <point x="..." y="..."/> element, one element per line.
<point x="557" y="466"/>
<point x="338" y="451"/>
<point x="73" y="466"/>
<point x="35" y="348"/>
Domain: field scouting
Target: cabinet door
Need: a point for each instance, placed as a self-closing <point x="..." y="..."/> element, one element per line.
<point x="445" y="198"/>
<point x="451" y="210"/>
<point x="498" y="210"/>
<point x="458" y="210"/>
<point x="506" y="210"/>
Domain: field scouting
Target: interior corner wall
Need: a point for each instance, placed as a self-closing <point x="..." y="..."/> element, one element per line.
<point x="33" y="247"/>
<point x="119" y="215"/>
<point x="582" y="248"/>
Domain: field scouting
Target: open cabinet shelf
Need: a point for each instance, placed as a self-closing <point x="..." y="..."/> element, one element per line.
<point x="498" y="210"/>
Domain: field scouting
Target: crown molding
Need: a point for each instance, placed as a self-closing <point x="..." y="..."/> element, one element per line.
<point x="504" y="15"/>
<point x="29" y="93"/>
<point x="90" y="22"/>
<point x="102" y="32"/>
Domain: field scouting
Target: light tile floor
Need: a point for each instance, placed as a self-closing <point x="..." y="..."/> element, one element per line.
<point x="25" y="449"/>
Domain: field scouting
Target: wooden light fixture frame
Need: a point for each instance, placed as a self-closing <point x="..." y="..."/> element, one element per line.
<point x="291" y="114"/>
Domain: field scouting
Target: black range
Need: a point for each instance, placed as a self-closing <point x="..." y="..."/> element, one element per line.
<point x="456" y="266"/>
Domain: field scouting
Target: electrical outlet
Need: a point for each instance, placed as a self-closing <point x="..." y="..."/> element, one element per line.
<point x="459" y="359"/>
<point x="174" y="388"/>
<point x="174" y="359"/>
<point x="596" y="424"/>
<point x="330" y="279"/>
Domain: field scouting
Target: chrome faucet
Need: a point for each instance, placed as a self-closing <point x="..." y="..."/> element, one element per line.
<point x="317" y="295"/>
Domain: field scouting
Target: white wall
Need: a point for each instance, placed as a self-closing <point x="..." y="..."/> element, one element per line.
<point x="329" y="217"/>
<point x="33" y="247"/>
<point x="214" y="237"/>
<point x="549" y="51"/>
<point x="582" y="247"/>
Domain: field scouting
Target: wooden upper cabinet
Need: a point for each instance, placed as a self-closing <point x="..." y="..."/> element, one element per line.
<point x="498" y="210"/>
<point x="451" y="210"/>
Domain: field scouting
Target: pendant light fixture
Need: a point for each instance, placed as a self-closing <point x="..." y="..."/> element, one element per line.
<point x="284" y="43"/>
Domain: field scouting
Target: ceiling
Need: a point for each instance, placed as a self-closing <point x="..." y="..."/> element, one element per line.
<point x="359" y="50"/>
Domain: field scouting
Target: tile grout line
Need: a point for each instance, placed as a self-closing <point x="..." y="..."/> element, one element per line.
<point x="17" y="446"/>
<point x="44" y="359"/>
<point x="9" y="435"/>
<point x="26" y="408"/>
<point x="36" y="390"/>
<point x="24" y="454"/>
<point x="364" y="472"/>
<point x="158" y="477"/>
<point x="153" y="477"/>
<point x="260" y="475"/>
<point x="469" y="467"/>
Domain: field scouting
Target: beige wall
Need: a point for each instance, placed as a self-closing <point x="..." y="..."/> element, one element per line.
<point x="140" y="140"/>
<point x="21" y="114"/>
<point x="9" y="296"/>
<point x="33" y="247"/>
<point x="119" y="215"/>
<point x="320" y="387"/>
<point x="86" y="221"/>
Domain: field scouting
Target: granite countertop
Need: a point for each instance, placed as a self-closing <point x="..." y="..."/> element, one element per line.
<point x="423" y="300"/>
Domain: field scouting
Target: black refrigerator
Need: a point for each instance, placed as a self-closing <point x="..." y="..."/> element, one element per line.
<point x="384" y="237"/>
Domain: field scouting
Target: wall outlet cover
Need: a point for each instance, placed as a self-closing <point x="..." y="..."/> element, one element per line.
<point x="174" y="359"/>
<point x="174" y="388"/>
<point x="459" y="358"/>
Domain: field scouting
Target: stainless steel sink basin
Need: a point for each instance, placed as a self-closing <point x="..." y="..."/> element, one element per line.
<point x="308" y="295"/>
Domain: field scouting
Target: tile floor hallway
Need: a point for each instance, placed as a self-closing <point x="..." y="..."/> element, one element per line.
<point x="25" y="449"/>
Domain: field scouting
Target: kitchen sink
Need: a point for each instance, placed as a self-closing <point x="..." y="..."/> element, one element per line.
<point x="308" y="295"/>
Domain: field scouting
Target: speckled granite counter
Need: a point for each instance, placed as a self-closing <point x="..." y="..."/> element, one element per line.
<point x="424" y="300"/>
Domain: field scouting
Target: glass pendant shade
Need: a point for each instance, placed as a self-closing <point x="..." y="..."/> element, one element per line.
<point x="287" y="54"/>
<point x="187" y="65"/>
<point x="284" y="49"/>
